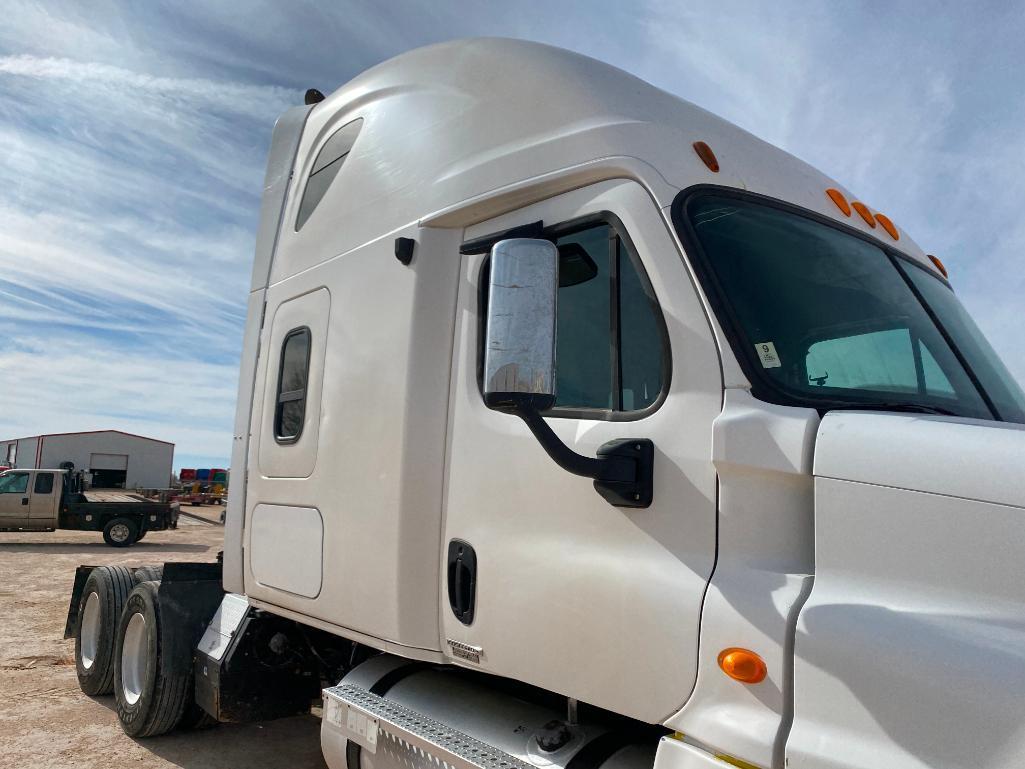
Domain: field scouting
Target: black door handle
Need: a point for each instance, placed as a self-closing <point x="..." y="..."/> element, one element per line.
<point x="24" y="500"/>
<point x="462" y="580"/>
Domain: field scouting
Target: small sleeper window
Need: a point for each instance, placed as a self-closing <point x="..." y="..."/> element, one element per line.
<point x="290" y="408"/>
<point x="329" y="161"/>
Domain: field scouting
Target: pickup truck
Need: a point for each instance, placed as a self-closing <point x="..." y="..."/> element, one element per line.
<point x="46" y="500"/>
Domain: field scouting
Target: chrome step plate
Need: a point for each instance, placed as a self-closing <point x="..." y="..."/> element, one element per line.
<point x="367" y="719"/>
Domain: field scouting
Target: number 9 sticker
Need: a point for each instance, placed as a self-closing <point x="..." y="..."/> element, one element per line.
<point x="767" y="355"/>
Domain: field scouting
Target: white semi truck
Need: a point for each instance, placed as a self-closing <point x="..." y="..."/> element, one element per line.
<point x="579" y="428"/>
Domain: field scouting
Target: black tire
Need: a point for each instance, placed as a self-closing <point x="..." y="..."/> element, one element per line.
<point x="148" y="573"/>
<point x="109" y="586"/>
<point x="120" y="532"/>
<point x="151" y="703"/>
<point x="142" y="534"/>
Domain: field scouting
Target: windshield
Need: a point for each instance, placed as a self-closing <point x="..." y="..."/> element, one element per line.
<point x="827" y="319"/>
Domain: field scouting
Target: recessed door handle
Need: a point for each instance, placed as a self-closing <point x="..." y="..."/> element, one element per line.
<point x="462" y="580"/>
<point x="24" y="500"/>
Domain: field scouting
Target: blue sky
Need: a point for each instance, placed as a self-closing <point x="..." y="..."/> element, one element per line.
<point x="133" y="140"/>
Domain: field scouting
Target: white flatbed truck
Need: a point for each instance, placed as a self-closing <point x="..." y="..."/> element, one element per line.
<point x="579" y="428"/>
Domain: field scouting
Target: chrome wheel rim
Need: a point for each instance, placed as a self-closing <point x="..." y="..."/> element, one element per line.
<point x="119" y="532"/>
<point x="89" y="634"/>
<point x="133" y="659"/>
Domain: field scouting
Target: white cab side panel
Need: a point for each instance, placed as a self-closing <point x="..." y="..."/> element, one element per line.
<point x="674" y="753"/>
<point x="575" y="595"/>
<point x="235" y="510"/>
<point x="910" y="652"/>
<point x="288" y="548"/>
<point x="280" y="160"/>
<point x="763" y="455"/>
<point x="380" y="456"/>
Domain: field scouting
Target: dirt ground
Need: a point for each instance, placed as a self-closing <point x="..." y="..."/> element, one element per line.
<point x="46" y="721"/>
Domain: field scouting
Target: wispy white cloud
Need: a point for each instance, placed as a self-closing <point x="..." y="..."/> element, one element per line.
<point x="240" y="98"/>
<point x="72" y="383"/>
<point x="133" y="138"/>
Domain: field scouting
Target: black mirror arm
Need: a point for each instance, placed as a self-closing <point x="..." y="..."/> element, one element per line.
<point x="622" y="472"/>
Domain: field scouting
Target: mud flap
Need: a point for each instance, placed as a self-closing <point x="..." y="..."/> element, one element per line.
<point x="71" y="625"/>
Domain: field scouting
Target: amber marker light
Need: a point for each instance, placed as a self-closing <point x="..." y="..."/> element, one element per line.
<point x="939" y="265"/>
<point x="864" y="213"/>
<point x="886" y="224"/>
<point x="841" y="202"/>
<point x="707" y="156"/>
<point x="742" y="665"/>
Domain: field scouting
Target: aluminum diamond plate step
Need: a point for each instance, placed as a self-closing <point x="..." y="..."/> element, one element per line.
<point x="366" y="719"/>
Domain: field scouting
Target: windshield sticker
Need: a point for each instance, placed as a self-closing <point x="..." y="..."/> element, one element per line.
<point x="767" y="355"/>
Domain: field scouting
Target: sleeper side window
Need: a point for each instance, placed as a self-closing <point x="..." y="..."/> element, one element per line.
<point x="290" y="408"/>
<point x="44" y="483"/>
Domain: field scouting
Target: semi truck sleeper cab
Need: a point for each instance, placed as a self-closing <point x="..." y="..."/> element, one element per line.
<point x="578" y="427"/>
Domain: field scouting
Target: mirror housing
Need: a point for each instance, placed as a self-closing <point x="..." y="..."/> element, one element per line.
<point x="519" y="364"/>
<point x="519" y="352"/>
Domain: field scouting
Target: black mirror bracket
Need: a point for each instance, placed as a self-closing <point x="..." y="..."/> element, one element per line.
<point x="623" y="471"/>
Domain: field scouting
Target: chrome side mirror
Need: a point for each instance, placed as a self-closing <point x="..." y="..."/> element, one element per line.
<point x="519" y="352"/>
<point x="519" y="364"/>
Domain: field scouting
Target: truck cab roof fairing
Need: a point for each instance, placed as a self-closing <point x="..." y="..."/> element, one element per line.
<point x="465" y="118"/>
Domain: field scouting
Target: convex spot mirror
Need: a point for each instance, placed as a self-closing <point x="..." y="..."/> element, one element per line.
<point x="575" y="265"/>
<point x="519" y="352"/>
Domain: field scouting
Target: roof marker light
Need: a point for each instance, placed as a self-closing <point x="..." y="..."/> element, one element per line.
<point x="742" y="665"/>
<point x="707" y="156"/>
<point x="939" y="265"/>
<point x="864" y="213"/>
<point x="841" y="202"/>
<point x="886" y="224"/>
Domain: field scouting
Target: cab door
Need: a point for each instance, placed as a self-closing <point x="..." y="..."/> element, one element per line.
<point x="14" y="499"/>
<point x="547" y="582"/>
<point x="42" y="506"/>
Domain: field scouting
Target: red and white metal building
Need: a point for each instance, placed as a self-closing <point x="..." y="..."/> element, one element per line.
<point x="116" y="459"/>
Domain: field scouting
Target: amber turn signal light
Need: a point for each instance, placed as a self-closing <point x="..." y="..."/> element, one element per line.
<point x="742" y="665"/>
<point x="707" y="156"/>
<point x="841" y="202"/>
<point x="864" y="213"/>
<point x="939" y="265"/>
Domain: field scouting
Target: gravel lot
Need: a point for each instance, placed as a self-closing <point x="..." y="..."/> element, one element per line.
<point x="46" y="721"/>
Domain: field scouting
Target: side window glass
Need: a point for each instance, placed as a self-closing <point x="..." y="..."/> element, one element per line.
<point x="643" y="355"/>
<point x="325" y="168"/>
<point x="583" y="353"/>
<point x="290" y="409"/>
<point x="44" y="483"/>
<point x="611" y="353"/>
<point x="14" y="483"/>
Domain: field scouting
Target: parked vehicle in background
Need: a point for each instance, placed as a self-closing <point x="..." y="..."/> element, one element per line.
<point x="579" y="428"/>
<point x="202" y="486"/>
<point x="51" y="499"/>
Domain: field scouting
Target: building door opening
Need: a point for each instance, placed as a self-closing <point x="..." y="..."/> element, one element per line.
<point x="108" y="479"/>
<point x="109" y="470"/>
